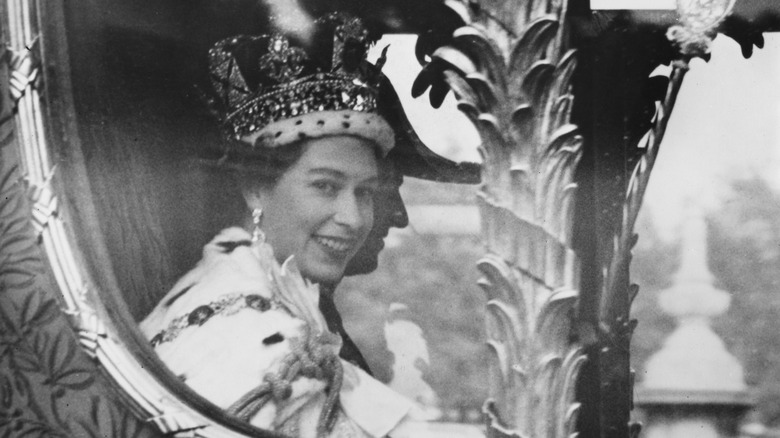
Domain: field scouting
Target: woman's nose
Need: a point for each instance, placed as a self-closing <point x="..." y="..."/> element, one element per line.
<point x="350" y="212"/>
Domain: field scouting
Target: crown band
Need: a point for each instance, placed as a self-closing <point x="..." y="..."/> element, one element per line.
<point x="320" y="92"/>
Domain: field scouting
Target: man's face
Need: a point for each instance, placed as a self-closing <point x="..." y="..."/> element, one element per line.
<point x="389" y="212"/>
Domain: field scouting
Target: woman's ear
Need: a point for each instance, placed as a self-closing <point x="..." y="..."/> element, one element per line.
<point x="253" y="198"/>
<point x="254" y="193"/>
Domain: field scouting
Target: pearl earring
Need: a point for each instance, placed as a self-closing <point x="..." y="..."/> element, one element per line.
<point x="257" y="233"/>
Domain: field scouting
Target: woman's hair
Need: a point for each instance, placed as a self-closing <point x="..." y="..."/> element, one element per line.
<point x="266" y="165"/>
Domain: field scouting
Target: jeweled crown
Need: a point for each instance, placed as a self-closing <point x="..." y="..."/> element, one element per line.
<point x="259" y="80"/>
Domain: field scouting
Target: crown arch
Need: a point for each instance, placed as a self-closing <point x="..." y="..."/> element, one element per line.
<point x="567" y="155"/>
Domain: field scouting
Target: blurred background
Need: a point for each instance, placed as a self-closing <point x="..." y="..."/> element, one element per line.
<point x="721" y="156"/>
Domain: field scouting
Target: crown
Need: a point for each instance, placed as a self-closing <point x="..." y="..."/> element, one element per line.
<point x="265" y="85"/>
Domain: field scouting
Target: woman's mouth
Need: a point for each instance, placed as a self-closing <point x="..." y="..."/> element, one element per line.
<point x="336" y="245"/>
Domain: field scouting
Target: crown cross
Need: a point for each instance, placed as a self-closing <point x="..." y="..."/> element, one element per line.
<point x="350" y="31"/>
<point x="282" y="62"/>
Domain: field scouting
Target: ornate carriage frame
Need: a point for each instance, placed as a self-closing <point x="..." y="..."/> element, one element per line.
<point x="567" y="156"/>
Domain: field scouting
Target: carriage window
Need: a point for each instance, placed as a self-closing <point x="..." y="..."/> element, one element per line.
<point x="162" y="192"/>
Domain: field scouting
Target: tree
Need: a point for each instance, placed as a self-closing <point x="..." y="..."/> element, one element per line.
<point x="744" y="237"/>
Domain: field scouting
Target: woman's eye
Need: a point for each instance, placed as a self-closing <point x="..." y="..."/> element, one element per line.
<point x="326" y="187"/>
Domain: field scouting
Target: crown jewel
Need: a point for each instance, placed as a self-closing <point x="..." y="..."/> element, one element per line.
<point x="282" y="63"/>
<point x="259" y="80"/>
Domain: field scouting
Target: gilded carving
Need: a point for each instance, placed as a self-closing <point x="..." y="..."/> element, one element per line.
<point x="511" y="73"/>
<point x="48" y="385"/>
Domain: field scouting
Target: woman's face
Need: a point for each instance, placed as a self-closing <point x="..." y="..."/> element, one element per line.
<point x="322" y="208"/>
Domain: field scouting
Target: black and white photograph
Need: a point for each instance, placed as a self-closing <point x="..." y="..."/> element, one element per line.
<point x="390" y="218"/>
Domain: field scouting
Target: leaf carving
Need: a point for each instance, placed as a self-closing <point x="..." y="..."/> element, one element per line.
<point x="484" y="52"/>
<point x="516" y="89"/>
<point x="450" y="58"/>
<point x="468" y="101"/>
<point x="536" y="84"/>
<point x="532" y="46"/>
<point x="489" y="97"/>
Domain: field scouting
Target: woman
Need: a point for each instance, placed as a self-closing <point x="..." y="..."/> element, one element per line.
<point x="308" y="149"/>
<point x="319" y="212"/>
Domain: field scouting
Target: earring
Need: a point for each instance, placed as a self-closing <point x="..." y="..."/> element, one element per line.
<point x="257" y="233"/>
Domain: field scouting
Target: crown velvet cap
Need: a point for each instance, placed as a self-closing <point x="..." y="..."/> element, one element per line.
<point x="270" y="93"/>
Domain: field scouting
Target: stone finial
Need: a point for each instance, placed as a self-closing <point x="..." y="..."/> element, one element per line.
<point x="693" y="356"/>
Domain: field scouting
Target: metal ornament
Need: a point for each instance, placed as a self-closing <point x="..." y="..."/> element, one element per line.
<point x="699" y="20"/>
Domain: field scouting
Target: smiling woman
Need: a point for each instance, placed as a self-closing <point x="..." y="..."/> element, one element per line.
<point x="243" y="328"/>
<point x="226" y="327"/>
<point x="322" y="208"/>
